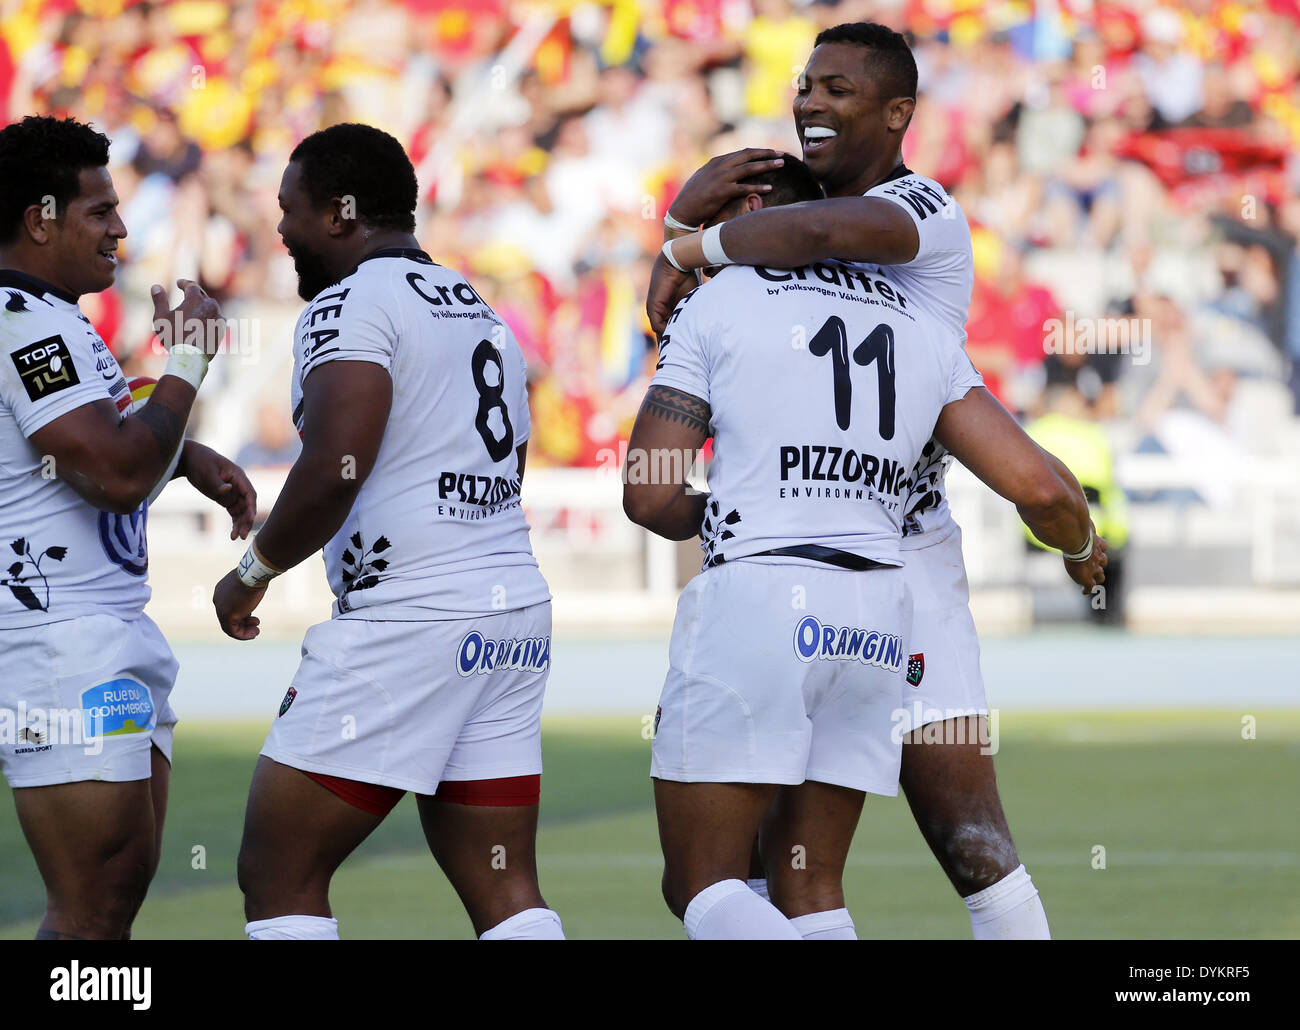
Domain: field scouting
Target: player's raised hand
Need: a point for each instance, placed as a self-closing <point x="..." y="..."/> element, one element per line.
<point x="196" y="319"/>
<point x="234" y="603"/>
<point x="220" y="479"/>
<point x="719" y="182"/>
<point x="1091" y="572"/>
<point x="667" y="287"/>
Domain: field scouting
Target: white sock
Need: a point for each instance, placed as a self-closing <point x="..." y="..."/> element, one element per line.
<point x="532" y="924"/>
<point x="759" y="887"/>
<point x="729" y="911"/>
<point x="293" y="928"/>
<point x="1009" y="910"/>
<point x="832" y="925"/>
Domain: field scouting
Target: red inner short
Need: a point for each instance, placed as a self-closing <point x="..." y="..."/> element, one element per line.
<point x="379" y="800"/>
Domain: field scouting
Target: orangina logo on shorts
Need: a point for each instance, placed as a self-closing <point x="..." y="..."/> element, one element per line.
<point x="812" y="641"/>
<point x="476" y="654"/>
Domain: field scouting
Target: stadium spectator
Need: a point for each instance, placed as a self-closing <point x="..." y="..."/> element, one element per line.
<point x="548" y="139"/>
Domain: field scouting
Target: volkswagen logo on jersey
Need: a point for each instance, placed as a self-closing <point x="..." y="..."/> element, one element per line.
<point x="123" y="538"/>
<point x="814" y="641"/>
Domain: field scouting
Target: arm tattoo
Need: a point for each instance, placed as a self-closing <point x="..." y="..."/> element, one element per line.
<point x="166" y="426"/>
<point x="674" y="406"/>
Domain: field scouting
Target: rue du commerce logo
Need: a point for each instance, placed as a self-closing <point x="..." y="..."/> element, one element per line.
<point x="1071" y="335"/>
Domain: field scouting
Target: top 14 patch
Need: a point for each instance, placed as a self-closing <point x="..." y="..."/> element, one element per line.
<point x="45" y="367"/>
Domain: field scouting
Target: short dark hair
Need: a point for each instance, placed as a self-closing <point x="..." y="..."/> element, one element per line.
<point x="891" y="64"/>
<point x="791" y="183"/>
<point x="354" y="160"/>
<point x="43" y="157"/>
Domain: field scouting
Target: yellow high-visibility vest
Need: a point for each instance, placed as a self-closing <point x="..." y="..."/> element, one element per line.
<point x="1085" y="450"/>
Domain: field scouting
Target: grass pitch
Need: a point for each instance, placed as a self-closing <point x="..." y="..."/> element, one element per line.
<point x="1198" y="825"/>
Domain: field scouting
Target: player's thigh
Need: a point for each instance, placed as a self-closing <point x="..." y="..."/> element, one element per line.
<point x="488" y="853"/>
<point x="159" y="793"/>
<point x="296" y="831"/>
<point x="805" y="843"/>
<point x="93" y="841"/>
<point x="947" y="773"/>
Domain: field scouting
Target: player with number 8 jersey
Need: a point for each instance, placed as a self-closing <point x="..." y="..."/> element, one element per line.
<point x="439" y="515"/>
<point x="410" y="395"/>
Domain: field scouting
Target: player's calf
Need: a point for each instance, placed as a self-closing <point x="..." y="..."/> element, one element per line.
<point x="805" y="843"/>
<point x="952" y="790"/>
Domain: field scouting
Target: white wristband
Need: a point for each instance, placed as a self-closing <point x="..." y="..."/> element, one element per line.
<point x="672" y="223"/>
<point x="712" y="244"/>
<point x="668" y="253"/>
<point x="1083" y="555"/>
<point x="188" y="362"/>
<point x="253" y="572"/>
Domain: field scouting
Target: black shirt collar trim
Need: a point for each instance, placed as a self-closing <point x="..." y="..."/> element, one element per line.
<point x="899" y="172"/>
<point x="410" y="253"/>
<point x="30" y="284"/>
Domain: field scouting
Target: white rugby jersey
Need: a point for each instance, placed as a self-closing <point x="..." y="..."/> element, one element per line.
<point x="941" y="277"/>
<point x="436" y="530"/>
<point x="825" y="383"/>
<point x="60" y="558"/>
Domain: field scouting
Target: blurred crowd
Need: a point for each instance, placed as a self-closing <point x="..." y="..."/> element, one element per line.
<point x="1129" y="169"/>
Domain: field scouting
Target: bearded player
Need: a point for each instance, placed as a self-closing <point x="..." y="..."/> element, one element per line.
<point x="410" y="397"/>
<point x="86" y="672"/>
<point x="854" y="103"/>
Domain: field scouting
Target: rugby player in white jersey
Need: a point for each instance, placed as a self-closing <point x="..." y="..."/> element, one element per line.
<point x="85" y="721"/>
<point x="409" y="393"/>
<point x="820" y="385"/>
<point x="855" y="100"/>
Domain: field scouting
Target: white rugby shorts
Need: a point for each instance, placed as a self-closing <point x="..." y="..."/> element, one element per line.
<point x="412" y="704"/>
<point x="780" y="673"/>
<point x="85" y="699"/>
<point x="942" y="678"/>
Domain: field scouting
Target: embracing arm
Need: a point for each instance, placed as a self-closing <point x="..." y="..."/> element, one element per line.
<point x="982" y="435"/>
<point x="869" y="229"/>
